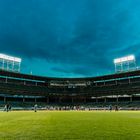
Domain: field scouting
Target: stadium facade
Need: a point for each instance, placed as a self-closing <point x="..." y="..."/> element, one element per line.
<point x="118" y="87"/>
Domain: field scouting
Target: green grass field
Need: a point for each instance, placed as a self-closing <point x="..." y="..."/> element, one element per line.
<point x="70" y="125"/>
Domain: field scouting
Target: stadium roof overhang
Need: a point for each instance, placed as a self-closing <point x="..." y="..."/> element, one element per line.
<point x="42" y="78"/>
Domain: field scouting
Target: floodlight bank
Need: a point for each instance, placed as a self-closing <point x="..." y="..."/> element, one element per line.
<point x="10" y="58"/>
<point x="124" y="59"/>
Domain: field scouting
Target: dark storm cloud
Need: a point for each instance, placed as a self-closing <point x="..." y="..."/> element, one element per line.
<point x="85" y="34"/>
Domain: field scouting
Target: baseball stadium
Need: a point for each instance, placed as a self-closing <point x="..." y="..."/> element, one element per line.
<point x="69" y="108"/>
<point x="69" y="69"/>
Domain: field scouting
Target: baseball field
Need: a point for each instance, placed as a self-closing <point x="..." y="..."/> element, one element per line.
<point x="70" y="125"/>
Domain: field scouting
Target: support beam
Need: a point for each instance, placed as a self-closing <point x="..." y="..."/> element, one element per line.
<point x="36" y="83"/>
<point x="96" y="100"/>
<point x="117" y="99"/>
<point x="129" y="81"/>
<point x="35" y="100"/>
<point x="4" y="99"/>
<point x="131" y="99"/>
<point x="23" y="99"/>
<point x="6" y="80"/>
<point x="24" y="82"/>
<point x="105" y="100"/>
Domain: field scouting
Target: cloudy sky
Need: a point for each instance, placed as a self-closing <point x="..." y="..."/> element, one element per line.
<point x="69" y="38"/>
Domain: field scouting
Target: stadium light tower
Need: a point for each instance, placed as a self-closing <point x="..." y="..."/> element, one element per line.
<point x="125" y="63"/>
<point x="10" y="63"/>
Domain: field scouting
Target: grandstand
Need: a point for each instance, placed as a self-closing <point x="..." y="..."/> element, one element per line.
<point x="115" y="88"/>
<point x="109" y="88"/>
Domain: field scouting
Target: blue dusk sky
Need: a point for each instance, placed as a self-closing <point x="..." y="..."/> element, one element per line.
<point x="69" y="38"/>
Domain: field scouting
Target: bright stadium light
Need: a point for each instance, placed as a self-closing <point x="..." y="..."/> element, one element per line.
<point x="11" y="58"/>
<point x="124" y="59"/>
<point x="10" y="63"/>
<point x="124" y="63"/>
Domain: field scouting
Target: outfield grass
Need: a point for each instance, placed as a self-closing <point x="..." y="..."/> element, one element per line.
<point x="70" y="125"/>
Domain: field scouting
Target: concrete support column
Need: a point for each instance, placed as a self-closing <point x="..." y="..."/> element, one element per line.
<point x="24" y="82"/>
<point x="35" y="100"/>
<point x="105" y="100"/>
<point x="6" y="80"/>
<point x="36" y="83"/>
<point x="131" y="99"/>
<point x="4" y="99"/>
<point x="129" y="81"/>
<point x="117" y="99"/>
<point x="96" y="100"/>
<point x="23" y="99"/>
